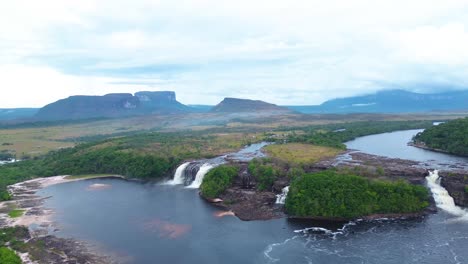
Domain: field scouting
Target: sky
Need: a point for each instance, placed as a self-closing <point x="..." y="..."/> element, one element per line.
<point x="285" y="52"/>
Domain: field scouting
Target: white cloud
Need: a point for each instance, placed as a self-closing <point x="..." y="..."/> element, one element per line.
<point x="26" y="86"/>
<point x="287" y="52"/>
<point x="446" y="44"/>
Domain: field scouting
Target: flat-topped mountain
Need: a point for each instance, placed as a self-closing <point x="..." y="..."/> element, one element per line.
<point x="391" y="101"/>
<point x="233" y="105"/>
<point x="111" y="105"/>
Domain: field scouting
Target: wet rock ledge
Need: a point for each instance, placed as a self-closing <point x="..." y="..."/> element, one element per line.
<point x="249" y="204"/>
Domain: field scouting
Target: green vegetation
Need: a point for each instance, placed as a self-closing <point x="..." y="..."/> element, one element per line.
<point x="144" y="156"/>
<point x="333" y="195"/>
<point x="335" y="135"/>
<point x="217" y="180"/>
<point x="8" y="256"/>
<point x="15" y="213"/>
<point x="12" y="236"/>
<point x="466" y="188"/>
<point x="451" y="137"/>
<point x="264" y="173"/>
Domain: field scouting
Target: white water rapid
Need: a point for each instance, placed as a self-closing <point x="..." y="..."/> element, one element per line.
<point x="200" y="175"/>
<point x="179" y="175"/>
<point x="442" y="198"/>
<point x="281" y="198"/>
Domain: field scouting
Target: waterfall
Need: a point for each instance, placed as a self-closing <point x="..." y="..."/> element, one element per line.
<point x="281" y="198"/>
<point x="179" y="175"/>
<point x="200" y="175"/>
<point x="442" y="198"/>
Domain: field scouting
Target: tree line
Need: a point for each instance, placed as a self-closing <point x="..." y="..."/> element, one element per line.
<point x="451" y="137"/>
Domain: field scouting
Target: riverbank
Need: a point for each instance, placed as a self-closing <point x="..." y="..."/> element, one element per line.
<point x="39" y="222"/>
<point x="423" y="146"/>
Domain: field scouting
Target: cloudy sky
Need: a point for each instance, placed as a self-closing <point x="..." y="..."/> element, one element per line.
<point x="285" y="52"/>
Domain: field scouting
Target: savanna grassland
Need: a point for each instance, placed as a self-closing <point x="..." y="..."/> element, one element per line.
<point x="35" y="139"/>
<point x="300" y="153"/>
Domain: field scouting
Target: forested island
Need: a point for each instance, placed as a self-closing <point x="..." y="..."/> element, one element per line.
<point x="330" y="194"/>
<point x="450" y="137"/>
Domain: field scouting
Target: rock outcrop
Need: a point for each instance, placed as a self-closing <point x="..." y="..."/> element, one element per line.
<point x="456" y="183"/>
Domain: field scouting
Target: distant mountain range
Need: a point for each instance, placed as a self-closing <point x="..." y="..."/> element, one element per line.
<point x="112" y="105"/>
<point x="142" y="103"/>
<point x="165" y="102"/>
<point x="393" y="101"/>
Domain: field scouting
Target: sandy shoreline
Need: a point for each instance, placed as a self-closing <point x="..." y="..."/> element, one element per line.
<point x="39" y="220"/>
<point x="25" y="198"/>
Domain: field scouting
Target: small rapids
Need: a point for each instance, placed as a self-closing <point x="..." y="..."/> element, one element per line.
<point x="442" y="198"/>
<point x="281" y="198"/>
<point x="3" y="162"/>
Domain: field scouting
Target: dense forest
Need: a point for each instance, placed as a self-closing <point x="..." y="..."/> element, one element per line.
<point x="217" y="180"/>
<point x="451" y="137"/>
<point x="331" y="194"/>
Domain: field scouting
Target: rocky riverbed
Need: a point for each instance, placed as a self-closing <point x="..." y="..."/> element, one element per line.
<point x="249" y="204"/>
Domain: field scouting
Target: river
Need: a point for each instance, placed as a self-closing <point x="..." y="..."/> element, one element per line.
<point x="161" y="223"/>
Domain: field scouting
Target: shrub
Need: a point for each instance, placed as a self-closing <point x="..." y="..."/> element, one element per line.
<point x="8" y="256"/>
<point x="217" y="180"/>
<point x="264" y="174"/>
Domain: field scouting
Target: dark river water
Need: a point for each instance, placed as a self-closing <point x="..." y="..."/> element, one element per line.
<point x="158" y="223"/>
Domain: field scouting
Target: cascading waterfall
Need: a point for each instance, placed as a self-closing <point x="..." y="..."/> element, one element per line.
<point x="442" y="198"/>
<point x="281" y="198"/>
<point x="200" y="175"/>
<point x="179" y="175"/>
<point x="191" y="174"/>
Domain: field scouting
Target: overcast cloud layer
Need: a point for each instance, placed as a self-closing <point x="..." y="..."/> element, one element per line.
<point x="285" y="52"/>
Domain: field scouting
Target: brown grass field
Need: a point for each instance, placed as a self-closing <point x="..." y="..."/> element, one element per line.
<point x="297" y="153"/>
